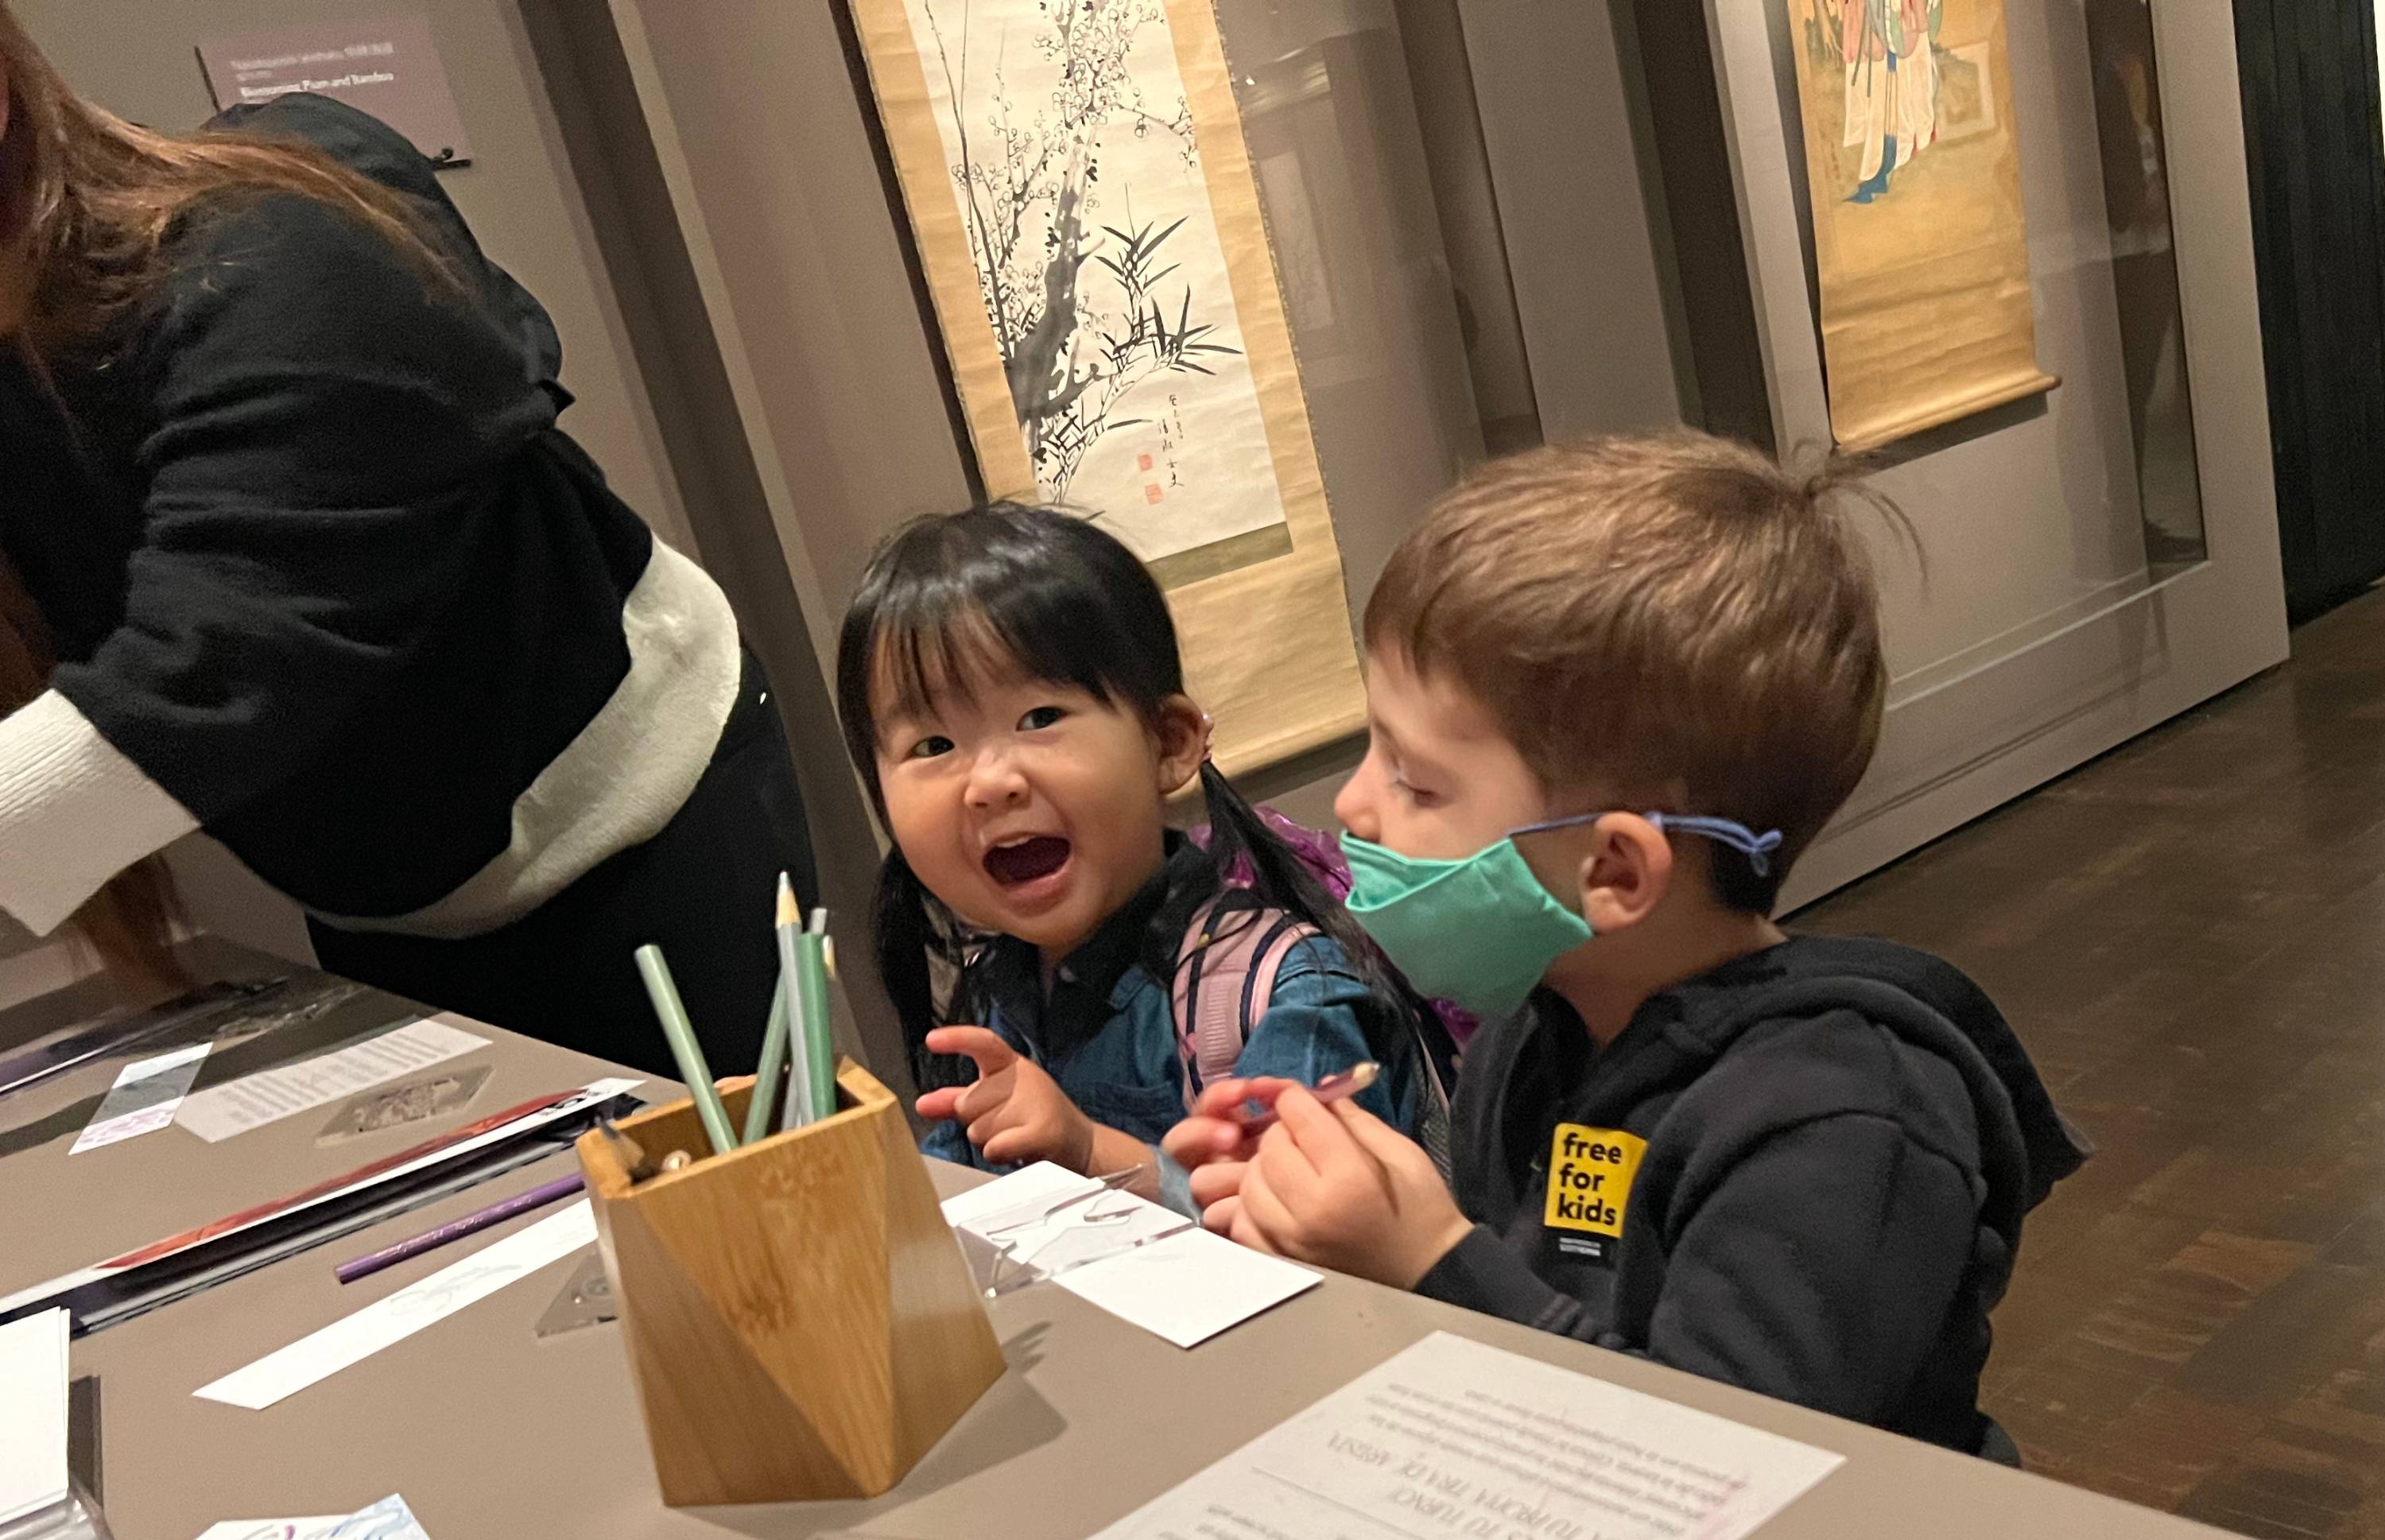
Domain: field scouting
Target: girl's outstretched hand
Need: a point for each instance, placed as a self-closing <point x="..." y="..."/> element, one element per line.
<point x="1014" y="1111"/>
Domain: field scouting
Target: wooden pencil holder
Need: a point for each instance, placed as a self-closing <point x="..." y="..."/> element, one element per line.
<point x="800" y="1323"/>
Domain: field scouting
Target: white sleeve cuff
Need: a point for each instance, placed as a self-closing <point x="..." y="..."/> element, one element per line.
<point x="74" y="812"/>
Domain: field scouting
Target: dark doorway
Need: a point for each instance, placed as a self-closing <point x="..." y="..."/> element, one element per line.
<point x="2318" y="166"/>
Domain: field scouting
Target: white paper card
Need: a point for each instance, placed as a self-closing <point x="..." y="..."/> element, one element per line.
<point x="32" y="1414"/>
<point x="1189" y="1287"/>
<point x="389" y="1519"/>
<point x="967" y="1210"/>
<point x="1143" y="1263"/>
<point x="144" y="1098"/>
<point x="1453" y="1438"/>
<point x="1048" y="1222"/>
<point x="270" y="1095"/>
<point x="400" y="1315"/>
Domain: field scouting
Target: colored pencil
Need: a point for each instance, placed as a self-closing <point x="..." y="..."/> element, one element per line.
<point x="774" y="1036"/>
<point x="811" y="980"/>
<point x="633" y="1158"/>
<point x="685" y="1051"/>
<point x="763" y="1104"/>
<point x="798" y="1109"/>
<point x="1332" y="1088"/>
<point x="456" y="1230"/>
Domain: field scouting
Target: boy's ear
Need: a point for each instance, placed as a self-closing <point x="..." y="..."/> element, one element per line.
<point x="1625" y="873"/>
<point x="1183" y="733"/>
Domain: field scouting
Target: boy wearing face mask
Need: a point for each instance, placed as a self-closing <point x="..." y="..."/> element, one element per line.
<point x="1615" y="689"/>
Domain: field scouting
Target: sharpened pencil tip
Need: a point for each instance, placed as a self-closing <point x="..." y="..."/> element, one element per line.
<point x="790" y="912"/>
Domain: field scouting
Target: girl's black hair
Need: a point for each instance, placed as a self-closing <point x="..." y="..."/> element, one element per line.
<point x="1068" y="604"/>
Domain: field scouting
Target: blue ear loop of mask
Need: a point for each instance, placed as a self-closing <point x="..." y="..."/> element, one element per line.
<point x="1757" y="848"/>
<point x="1480" y="932"/>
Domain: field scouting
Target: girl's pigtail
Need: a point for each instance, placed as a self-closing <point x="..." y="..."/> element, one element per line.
<point x="906" y="939"/>
<point x="1240" y="843"/>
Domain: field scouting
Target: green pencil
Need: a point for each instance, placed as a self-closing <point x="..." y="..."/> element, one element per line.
<point x="684" y="1049"/>
<point x="799" y="1108"/>
<point x="811" y="980"/>
<point x="766" y="1078"/>
<point x="774" y="1041"/>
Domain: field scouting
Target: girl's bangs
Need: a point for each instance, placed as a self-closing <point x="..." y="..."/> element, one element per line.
<point x="951" y="647"/>
<point x="954" y="605"/>
<point x="917" y="664"/>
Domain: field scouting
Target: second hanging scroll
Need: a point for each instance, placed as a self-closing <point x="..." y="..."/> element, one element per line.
<point x="1913" y="165"/>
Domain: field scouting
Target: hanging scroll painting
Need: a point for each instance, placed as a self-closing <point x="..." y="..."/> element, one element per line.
<point x="1921" y="246"/>
<point x="1089" y="225"/>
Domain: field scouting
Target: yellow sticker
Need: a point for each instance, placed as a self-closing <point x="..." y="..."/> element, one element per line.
<point x="1590" y="1178"/>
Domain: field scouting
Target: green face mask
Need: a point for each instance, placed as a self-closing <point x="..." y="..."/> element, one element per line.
<point x="1479" y="932"/>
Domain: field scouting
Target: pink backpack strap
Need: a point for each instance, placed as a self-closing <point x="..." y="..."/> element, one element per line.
<point x="1222" y="985"/>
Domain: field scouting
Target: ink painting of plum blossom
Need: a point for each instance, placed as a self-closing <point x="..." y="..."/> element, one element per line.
<point x="1065" y="137"/>
<point x="1083" y="209"/>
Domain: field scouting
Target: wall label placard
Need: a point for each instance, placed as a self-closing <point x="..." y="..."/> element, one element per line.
<point x="390" y="67"/>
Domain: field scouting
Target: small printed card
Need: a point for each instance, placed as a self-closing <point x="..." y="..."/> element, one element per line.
<point x="389" y="1519"/>
<point x="145" y="1098"/>
<point x="269" y="1095"/>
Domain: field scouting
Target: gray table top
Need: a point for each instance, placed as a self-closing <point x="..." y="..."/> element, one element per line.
<point x="61" y="1212"/>
<point x="488" y="1429"/>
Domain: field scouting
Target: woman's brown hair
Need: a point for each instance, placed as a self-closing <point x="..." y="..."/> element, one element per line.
<point x="88" y="202"/>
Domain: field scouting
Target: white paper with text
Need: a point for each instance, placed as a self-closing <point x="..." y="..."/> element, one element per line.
<point x="389" y="1519"/>
<point x="270" y="1095"/>
<point x="1451" y="1440"/>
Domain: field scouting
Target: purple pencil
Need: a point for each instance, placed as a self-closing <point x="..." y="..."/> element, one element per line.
<point x="456" y="1230"/>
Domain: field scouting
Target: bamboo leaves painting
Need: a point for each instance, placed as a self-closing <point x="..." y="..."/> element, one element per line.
<point x="1079" y="198"/>
<point x="1070" y="148"/>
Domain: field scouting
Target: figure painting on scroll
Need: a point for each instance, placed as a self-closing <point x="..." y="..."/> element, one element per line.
<point x="1913" y="169"/>
<point x="1888" y="49"/>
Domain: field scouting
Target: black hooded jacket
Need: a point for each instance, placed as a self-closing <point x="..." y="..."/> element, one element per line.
<point x="1803" y="1173"/>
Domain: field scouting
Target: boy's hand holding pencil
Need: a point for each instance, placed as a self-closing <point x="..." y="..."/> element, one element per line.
<point x="1230" y="1116"/>
<point x="1334" y="1186"/>
<point x="1221" y="1129"/>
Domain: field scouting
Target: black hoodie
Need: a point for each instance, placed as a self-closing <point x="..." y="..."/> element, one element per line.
<point x="1803" y="1173"/>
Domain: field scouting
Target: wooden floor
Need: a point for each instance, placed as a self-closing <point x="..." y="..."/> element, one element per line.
<point x="2189" y="935"/>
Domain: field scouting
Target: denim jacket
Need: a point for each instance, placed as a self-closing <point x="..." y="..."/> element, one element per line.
<point x="1123" y="1069"/>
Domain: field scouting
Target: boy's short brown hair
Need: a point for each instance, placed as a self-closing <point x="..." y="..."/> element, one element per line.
<point x="1673" y="620"/>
